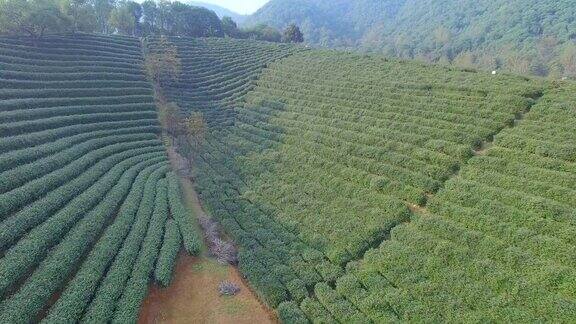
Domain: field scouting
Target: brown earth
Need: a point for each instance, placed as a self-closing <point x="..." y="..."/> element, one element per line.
<point x="193" y="297"/>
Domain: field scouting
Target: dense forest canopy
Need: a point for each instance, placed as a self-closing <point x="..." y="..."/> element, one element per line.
<point x="523" y="36"/>
<point x="220" y="11"/>
<point x="40" y="17"/>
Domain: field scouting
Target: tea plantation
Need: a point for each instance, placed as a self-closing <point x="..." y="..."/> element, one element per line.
<point x="217" y="73"/>
<point x="357" y="189"/>
<point x="368" y="187"/>
<point x="86" y="188"/>
<point x="498" y="242"/>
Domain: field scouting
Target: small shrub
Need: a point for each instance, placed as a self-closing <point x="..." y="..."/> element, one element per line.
<point x="227" y="288"/>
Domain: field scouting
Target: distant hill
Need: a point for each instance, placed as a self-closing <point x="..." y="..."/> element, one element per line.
<point x="220" y="11"/>
<point x="524" y="36"/>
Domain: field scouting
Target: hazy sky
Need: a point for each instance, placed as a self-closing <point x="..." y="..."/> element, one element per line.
<point x="239" y="6"/>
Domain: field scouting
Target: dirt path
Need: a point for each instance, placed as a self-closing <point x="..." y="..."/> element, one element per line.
<point x="190" y="195"/>
<point x="193" y="295"/>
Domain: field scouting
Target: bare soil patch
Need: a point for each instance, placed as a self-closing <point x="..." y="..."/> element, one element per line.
<point x="193" y="297"/>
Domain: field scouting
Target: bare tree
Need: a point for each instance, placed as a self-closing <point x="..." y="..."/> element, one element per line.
<point x="162" y="64"/>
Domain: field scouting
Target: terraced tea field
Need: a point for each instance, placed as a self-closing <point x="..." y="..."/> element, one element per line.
<point x="332" y="155"/>
<point x="498" y="242"/>
<point x="357" y="189"/>
<point x="86" y="188"/>
<point x="216" y="73"/>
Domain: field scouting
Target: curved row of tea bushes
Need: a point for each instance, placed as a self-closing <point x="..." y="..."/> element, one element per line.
<point x="54" y="270"/>
<point x="326" y="155"/>
<point x="83" y="195"/>
<point x="137" y="286"/>
<point x="182" y="215"/>
<point x="498" y="243"/>
<point x="217" y="73"/>
<point x="80" y="291"/>
<point x="168" y="254"/>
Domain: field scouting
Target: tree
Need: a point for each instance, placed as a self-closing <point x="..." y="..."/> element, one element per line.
<point x="150" y="14"/>
<point x="121" y="20"/>
<point x="194" y="21"/>
<point x="195" y="128"/>
<point x="125" y="18"/>
<point x="163" y="64"/>
<point x="165" y="17"/>
<point x="465" y="60"/>
<point x="568" y="61"/>
<point x="135" y="9"/>
<point x="169" y="114"/>
<point x="230" y="27"/>
<point x="292" y="34"/>
<point x="33" y="18"/>
<point x="516" y="62"/>
<point x="102" y="11"/>
<point x="546" y="47"/>
<point x="190" y="134"/>
<point x="264" y="32"/>
<point x="81" y="14"/>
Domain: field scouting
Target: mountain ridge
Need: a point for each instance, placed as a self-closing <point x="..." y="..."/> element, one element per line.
<point x="220" y="11"/>
<point x="523" y="36"/>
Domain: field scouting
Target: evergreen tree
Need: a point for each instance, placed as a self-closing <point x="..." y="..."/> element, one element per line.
<point x="33" y="18"/>
<point x="292" y="34"/>
<point x="230" y="27"/>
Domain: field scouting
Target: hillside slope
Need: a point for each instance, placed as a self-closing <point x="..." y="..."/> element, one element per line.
<point x="220" y="11"/>
<point x="86" y="189"/>
<point x="498" y="241"/>
<point x="217" y="73"/>
<point x="332" y="158"/>
<point x="356" y="188"/>
<point x="522" y="36"/>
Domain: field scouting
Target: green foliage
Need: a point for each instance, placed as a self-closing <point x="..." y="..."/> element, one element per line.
<point x="55" y="269"/>
<point x="123" y="20"/>
<point x="194" y="22"/>
<point x="503" y="225"/>
<point x="339" y="307"/>
<point x="35" y="213"/>
<point x="308" y="168"/>
<point x="168" y="254"/>
<point x="32" y="18"/>
<point x="297" y="289"/>
<point x="182" y="215"/>
<point x="263" y="32"/>
<point x="529" y="37"/>
<point x="268" y="285"/>
<point x="80" y="290"/>
<point x="39" y="17"/>
<point x="328" y="149"/>
<point x="163" y="64"/>
<point x="315" y="311"/>
<point x="79" y="142"/>
<point x="292" y="34"/>
<point x="230" y="28"/>
<point x="111" y="287"/>
<point x="128" y="306"/>
<point x="289" y="313"/>
<point x="19" y="175"/>
<point x="214" y="95"/>
<point x="369" y="148"/>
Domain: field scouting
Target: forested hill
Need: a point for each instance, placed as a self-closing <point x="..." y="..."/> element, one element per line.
<point x="524" y="36"/>
<point x="220" y="11"/>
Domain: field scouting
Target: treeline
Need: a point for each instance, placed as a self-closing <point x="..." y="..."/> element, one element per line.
<point x="536" y="37"/>
<point x="39" y="17"/>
